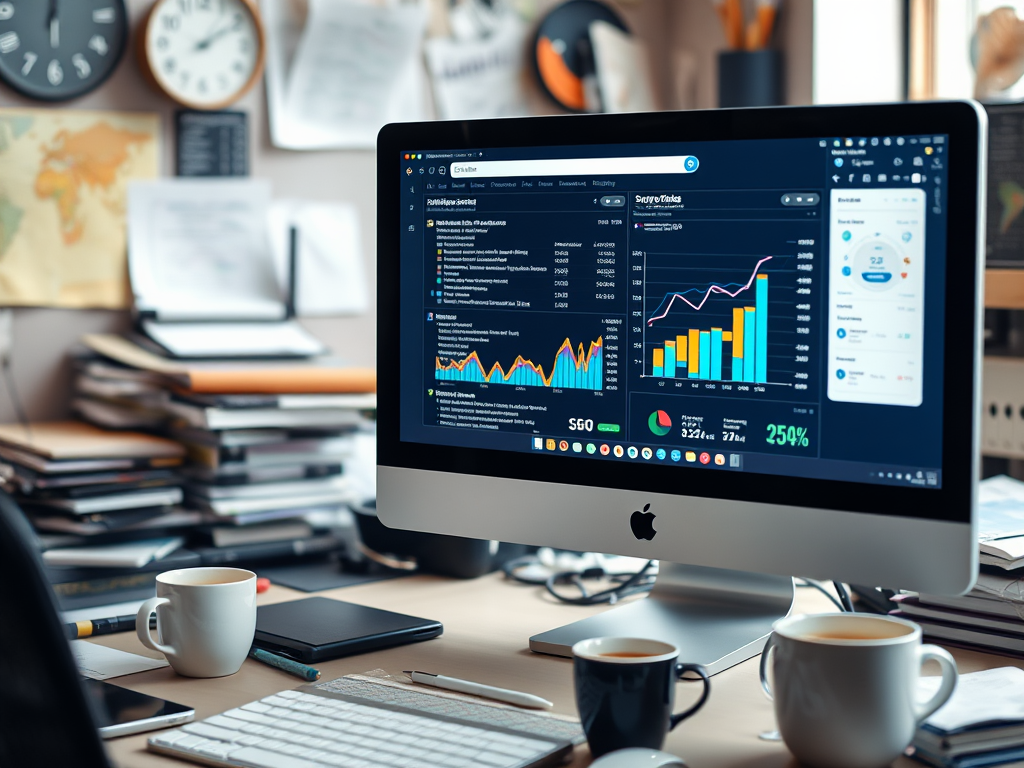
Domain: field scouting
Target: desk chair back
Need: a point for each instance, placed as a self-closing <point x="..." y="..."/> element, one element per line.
<point x="45" y="718"/>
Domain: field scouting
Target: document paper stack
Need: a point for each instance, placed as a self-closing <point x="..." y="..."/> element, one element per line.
<point x="991" y="616"/>
<point x="981" y="725"/>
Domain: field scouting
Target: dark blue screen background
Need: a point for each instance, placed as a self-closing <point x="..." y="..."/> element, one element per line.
<point x="501" y="296"/>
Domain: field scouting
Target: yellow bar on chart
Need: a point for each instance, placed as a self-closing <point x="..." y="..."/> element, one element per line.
<point x="681" y="348"/>
<point x="737" y="332"/>
<point x="693" y="353"/>
<point x="659" y="358"/>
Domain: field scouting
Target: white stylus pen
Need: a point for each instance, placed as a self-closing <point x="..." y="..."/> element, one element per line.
<point x="478" y="689"/>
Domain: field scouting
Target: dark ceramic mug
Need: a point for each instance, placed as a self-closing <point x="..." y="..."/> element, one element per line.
<point x="625" y="691"/>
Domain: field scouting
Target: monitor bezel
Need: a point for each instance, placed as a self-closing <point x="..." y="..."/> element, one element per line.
<point x="963" y="122"/>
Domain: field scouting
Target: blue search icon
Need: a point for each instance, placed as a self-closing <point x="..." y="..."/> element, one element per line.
<point x="691" y="164"/>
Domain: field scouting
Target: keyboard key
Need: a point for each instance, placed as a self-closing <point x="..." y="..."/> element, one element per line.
<point x="217" y="750"/>
<point x="168" y="738"/>
<point x="224" y="722"/>
<point x="265" y="759"/>
<point x="259" y="706"/>
<point x="208" y="731"/>
<point x="250" y="717"/>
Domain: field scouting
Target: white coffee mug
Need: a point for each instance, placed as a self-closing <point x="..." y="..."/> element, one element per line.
<point x="205" y="619"/>
<point x="845" y="687"/>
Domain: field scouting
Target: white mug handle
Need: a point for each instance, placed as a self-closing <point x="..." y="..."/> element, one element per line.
<point x="766" y="654"/>
<point x="142" y="626"/>
<point x="946" y="687"/>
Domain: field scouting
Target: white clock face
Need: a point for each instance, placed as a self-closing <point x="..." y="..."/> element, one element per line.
<point x="203" y="52"/>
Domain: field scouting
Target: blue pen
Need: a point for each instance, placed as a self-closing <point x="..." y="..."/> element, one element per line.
<point x="292" y="667"/>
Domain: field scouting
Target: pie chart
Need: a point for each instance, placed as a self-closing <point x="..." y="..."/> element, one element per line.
<point x="660" y="423"/>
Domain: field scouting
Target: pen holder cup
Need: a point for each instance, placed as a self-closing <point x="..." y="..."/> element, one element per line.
<point x="750" y="78"/>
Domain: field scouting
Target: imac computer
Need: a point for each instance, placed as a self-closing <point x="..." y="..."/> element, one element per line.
<point x="743" y="342"/>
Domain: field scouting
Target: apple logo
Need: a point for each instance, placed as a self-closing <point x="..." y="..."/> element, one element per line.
<point x="642" y="523"/>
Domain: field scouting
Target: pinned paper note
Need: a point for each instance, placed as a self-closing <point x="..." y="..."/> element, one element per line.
<point x="340" y="71"/>
<point x="474" y="78"/>
<point x="330" y="279"/>
<point x="198" y="250"/>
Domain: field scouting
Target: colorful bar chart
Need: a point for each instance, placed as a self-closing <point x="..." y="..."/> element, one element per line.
<point x="701" y="354"/>
<point x="572" y="369"/>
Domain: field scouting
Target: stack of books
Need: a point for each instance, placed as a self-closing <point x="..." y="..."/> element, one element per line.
<point x="100" y="501"/>
<point x="981" y="725"/>
<point x="988" y="618"/>
<point x="266" y="441"/>
<point x="991" y="616"/>
<point x="266" y="457"/>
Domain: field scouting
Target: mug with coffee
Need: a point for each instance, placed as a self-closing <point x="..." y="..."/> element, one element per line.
<point x="625" y="691"/>
<point x="845" y="687"/>
<point x="205" y="619"/>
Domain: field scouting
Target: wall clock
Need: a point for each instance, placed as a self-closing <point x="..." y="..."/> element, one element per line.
<point x="204" y="54"/>
<point x="55" y="50"/>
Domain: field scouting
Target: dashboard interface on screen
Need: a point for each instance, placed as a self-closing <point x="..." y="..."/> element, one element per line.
<point x="770" y="306"/>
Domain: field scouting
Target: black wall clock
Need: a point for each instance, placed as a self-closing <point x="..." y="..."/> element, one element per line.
<point x="55" y="50"/>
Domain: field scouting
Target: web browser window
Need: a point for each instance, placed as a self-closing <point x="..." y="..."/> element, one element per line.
<point x="770" y="306"/>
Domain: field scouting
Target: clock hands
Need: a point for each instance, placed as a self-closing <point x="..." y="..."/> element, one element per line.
<point x="202" y="45"/>
<point x="54" y="23"/>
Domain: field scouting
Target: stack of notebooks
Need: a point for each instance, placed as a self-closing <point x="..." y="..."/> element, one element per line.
<point x="981" y="725"/>
<point x="265" y="441"/>
<point x="991" y="616"/>
<point x="102" y="502"/>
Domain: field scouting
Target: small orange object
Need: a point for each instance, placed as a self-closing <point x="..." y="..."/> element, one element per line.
<point x="262" y="585"/>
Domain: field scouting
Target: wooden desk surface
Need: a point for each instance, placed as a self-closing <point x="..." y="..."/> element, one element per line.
<point x="487" y="626"/>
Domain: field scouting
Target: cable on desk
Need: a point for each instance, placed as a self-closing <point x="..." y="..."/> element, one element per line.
<point x="824" y="590"/>
<point x="631" y="584"/>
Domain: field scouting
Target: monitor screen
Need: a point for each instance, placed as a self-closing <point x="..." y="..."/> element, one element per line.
<point x="766" y="307"/>
<point x="749" y="323"/>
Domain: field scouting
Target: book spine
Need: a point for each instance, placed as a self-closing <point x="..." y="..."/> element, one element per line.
<point x="103" y="586"/>
<point x="273" y="550"/>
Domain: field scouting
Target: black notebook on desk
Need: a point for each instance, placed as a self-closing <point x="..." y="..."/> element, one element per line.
<point x="318" y="629"/>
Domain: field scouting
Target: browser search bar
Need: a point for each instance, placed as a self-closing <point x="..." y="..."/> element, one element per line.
<point x="576" y="166"/>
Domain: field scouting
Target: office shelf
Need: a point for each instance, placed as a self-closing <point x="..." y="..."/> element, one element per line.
<point x="1004" y="288"/>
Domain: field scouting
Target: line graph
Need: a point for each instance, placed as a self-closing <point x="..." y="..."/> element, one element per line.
<point x="572" y="369"/>
<point x="713" y="288"/>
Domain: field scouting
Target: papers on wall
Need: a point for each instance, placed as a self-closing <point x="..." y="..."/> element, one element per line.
<point x="348" y="68"/>
<point x="622" y="76"/>
<point x="330" y="279"/>
<point x="475" y="78"/>
<point x="99" y="662"/>
<point x="203" y="273"/>
<point x="198" y="250"/>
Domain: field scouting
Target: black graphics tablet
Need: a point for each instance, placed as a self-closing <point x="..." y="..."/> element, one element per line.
<point x="319" y="629"/>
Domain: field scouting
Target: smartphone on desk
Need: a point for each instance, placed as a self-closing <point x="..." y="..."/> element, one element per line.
<point x="120" y="712"/>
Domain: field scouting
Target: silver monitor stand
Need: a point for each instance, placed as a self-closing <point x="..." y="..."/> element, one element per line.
<point x="716" y="617"/>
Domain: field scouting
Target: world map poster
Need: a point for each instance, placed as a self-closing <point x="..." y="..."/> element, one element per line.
<point x="63" y="200"/>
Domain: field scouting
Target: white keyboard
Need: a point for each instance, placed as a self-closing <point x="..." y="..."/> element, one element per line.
<point x="300" y="729"/>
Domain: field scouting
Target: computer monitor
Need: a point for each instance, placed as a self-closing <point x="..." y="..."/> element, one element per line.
<point x="743" y="341"/>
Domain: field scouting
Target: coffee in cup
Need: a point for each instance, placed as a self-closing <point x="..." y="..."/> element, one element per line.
<point x="625" y="691"/>
<point x="205" y="619"/>
<point x="845" y="687"/>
